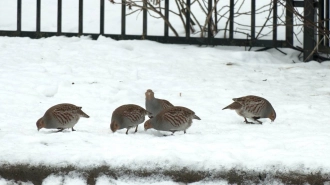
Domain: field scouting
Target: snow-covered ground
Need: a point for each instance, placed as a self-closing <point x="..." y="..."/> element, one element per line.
<point x="104" y="74"/>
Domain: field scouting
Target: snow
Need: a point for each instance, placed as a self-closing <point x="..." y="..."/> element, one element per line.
<point x="104" y="74"/>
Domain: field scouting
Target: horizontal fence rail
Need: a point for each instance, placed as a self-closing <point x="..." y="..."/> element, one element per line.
<point x="310" y="7"/>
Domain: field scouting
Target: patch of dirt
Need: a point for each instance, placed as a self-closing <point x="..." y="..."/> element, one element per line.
<point x="36" y="174"/>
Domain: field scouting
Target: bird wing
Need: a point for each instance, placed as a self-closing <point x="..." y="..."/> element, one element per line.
<point x="176" y="117"/>
<point x="254" y="105"/>
<point x="134" y="113"/>
<point x="65" y="113"/>
<point x="166" y="104"/>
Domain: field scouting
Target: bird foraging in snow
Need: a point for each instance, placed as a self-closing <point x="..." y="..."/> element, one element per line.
<point x="127" y="116"/>
<point x="155" y="105"/>
<point x="252" y="107"/>
<point x="61" y="116"/>
<point x="172" y="119"/>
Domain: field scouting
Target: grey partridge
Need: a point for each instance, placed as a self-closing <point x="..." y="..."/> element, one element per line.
<point x="253" y="107"/>
<point x="61" y="116"/>
<point x="155" y="105"/>
<point x="172" y="119"/>
<point x="127" y="116"/>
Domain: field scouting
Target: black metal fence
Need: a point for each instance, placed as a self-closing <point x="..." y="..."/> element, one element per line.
<point x="310" y="9"/>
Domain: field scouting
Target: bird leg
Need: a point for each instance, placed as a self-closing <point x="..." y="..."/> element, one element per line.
<point x="184" y="131"/>
<point x="173" y="132"/>
<point x="127" y="130"/>
<point x="248" y="122"/>
<point x="256" y="119"/>
<point x="73" y="129"/>
<point x="60" y="129"/>
<point x="136" y="128"/>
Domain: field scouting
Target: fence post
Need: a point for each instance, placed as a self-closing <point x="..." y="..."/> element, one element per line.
<point x="19" y="16"/>
<point x="188" y="20"/>
<point x="81" y="14"/>
<point x="38" y="18"/>
<point x="209" y="24"/>
<point x="231" y="19"/>
<point x="101" y="17"/>
<point x="123" y="19"/>
<point x="308" y="30"/>
<point x="145" y="20"/>
<point x="274" y="23"/>
<point x="327" y="12"/>
<point x="215" y="17"/>
<point x="321" y="21"/>
<point x="253" y="20"/>
<point x="166" y="17"/>
<point x="59" y="17"/>
<point x="289" y="22"/>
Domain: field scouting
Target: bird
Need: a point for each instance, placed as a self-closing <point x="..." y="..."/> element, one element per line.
<point x="253" y="107"/>
<point x="172" y="119"/>
<point x="127" y="116"/>
<point x="155" y="105"/>
<point x="61" y="116"/>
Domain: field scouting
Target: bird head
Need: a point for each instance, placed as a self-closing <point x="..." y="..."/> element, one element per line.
<point x="147" y="125"/>
<point x="40" y="124"/>
<point x="114" y="126"/>
<point x="149" y="114"/>
<point x="272" y="116"/>
<point x="149" y="94"/>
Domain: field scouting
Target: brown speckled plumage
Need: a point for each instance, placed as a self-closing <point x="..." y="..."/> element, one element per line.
<point x="172" y="119"/>
<point x="61" y="116"/>
<point x="127" y="116"/>
<point x="253" y="107"/>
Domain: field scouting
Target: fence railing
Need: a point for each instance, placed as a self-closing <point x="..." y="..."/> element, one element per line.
<point x="309" y="45"/>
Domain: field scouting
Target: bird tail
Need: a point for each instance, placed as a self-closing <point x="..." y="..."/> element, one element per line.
<point x="196" y="117"/>
<point x="82" y="114"/>
<point x="233" y="106"/>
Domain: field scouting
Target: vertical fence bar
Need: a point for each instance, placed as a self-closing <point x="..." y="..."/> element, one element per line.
<point x="101" y="17"/>
<point x="81" y="17"/>
<point x="289" y="22"/>
<point x="59" y="17"/>
<point x="38" y="18"/>
<point x="308" y="30"/>
<point x="253" y="19"/>
<point x="145" y="19"/>
<point x="321" y="30"/>
<point x="231" y="19"/>
<point x="215" y="16"/>
<point x="327" y="12"/>
<point x="274" y="23"/>
<point x="166" y="19"/>
<point x="19" y="15"/>
<point x="188" y="19"/>
<point x="123" y="18"/>
<point x="209" y="24"/>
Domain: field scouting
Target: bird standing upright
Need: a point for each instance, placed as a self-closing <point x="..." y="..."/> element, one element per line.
<point x="155" y="105"/>
<point x="172" y="119"/>
<point x="253" y="107"/>
<point x="127" y="116"/>
<point x="61" y="116"/>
